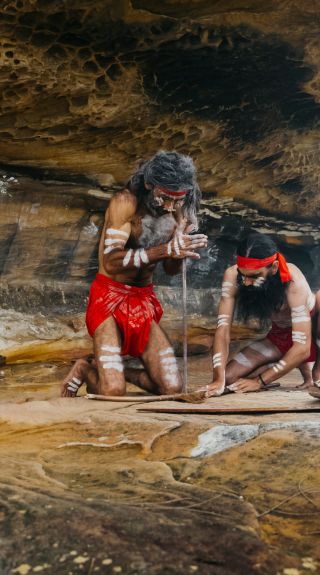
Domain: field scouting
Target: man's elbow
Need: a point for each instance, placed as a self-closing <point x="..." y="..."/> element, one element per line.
<point x="302" y="354"/>
<point x="108" y="267"/>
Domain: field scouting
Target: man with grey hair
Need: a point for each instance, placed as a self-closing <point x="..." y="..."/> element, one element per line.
<point x="147" y="223"/>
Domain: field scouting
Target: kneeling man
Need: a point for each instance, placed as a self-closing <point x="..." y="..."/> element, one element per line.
<point x="264" y="287"/>
<point x="147" y="223"/>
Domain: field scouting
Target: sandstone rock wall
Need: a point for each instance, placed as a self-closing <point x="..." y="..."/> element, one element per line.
<point x="88" y="89"/>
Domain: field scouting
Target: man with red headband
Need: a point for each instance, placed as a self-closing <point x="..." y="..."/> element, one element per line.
<point x="264" y="287"/>
<point x="147" y="223"/>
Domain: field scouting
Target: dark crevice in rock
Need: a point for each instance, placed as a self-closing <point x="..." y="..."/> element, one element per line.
<point x="224" y="83"/>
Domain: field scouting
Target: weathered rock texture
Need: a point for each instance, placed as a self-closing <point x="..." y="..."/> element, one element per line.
<point x="89" y="88"/>
<point x="100" y="487"/>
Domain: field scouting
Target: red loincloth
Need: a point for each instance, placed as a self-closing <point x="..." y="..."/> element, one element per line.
<point x="281" y="337"/>
<point x="133" y="308"/>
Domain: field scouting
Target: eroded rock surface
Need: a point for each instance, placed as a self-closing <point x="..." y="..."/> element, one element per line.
<point x="89" y="90"/>
<point x="89" y="485"/>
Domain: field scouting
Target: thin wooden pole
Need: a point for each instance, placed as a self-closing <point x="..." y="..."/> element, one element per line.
<point x="185" y="325"/>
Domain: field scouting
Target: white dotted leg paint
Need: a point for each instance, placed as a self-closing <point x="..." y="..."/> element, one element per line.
<point x="167" y="351"/>
<point x="169" y="366"/>
<point x="113" y="359"/>
<point x="279" y="366"/>
<point x="262" y="348"/>
<point x="242" y="359"/>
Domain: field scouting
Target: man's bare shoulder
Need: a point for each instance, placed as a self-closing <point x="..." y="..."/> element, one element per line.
<point x="298" y="286"/>
<point x="122" y="205"/>
<point x="230" y="275"/>
<point x="298" y="280"/>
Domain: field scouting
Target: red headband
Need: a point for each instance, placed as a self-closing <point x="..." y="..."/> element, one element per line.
<point x="171" y="194"/>
<point x="255" y="264"/>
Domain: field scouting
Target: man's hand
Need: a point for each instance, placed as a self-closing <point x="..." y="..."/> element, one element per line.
<point x="214" y="389"/>
<point x="184" y="245"/>
<point x="246" y="385"/>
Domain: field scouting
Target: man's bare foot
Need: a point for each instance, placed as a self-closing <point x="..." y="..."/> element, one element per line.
<point x="314" y="391"/>
<point x="74" y="379"/>
<point x="304" y="385"/>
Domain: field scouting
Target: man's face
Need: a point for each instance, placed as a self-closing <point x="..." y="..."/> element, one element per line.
<point x="256" y="278"/>
<point x="260" y="293"/>
<point x="166" y="202"/>
<point x="159" y="202"/>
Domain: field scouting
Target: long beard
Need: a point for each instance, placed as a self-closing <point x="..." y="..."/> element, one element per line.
<point x="260" y="302"/>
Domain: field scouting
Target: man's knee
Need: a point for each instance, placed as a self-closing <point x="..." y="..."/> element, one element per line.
<point x="171" y="386"/>
<point x="114" y="388"/>
<point x="111" y="381"/>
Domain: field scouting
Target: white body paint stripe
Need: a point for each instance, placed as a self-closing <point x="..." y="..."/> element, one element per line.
<point x="169" y="249"/>
<point x="181" y="241"/>
<point x="110" y="249"/>
<point x="242" y="359"/>
<point x="136" y="259"/>
<point x="113" y="357"/>
<point x="168" y="361"/>
<point x="171" y="378"/>
<point x="113" y="365"/>
<point x="176" y="246"/>
<point x="72" y="386"/>
<point x="113" y="241"/>
<point x="311" y="301"/>
<point x="127" y="258"/>
<point x="300" y="319"/>
<point x="279" y="366"/>
<point x="144" y="256"/>
<point x="223" y="319"/>
<point x="111" y="348"/>
<point x="262" y="348"/>
<point x="113" y="232"/>
<point x="259" y="282"/>
<point x="166" y="351"/>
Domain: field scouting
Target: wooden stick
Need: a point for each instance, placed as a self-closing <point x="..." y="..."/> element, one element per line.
<point x="208" y="409"/>
<point x="195" y="397"/>
<point x="185" y="326"/>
